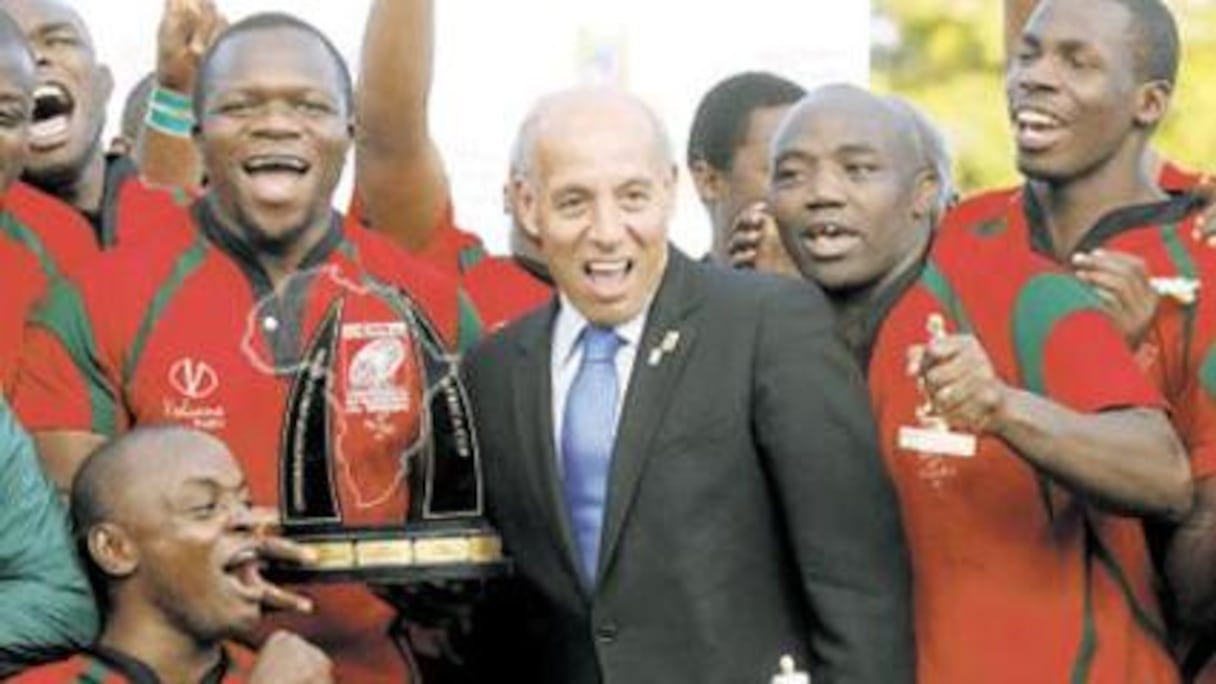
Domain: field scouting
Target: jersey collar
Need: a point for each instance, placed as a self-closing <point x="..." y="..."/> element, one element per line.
<point x="1170" y="210"/>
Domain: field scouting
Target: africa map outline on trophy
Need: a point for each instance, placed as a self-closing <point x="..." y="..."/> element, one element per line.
<point x="367" y="375"/>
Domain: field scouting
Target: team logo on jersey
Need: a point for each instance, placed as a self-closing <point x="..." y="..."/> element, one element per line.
<point x="193" y="379"/>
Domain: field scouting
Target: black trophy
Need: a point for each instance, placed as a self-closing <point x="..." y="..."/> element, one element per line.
<point x="443" y="536"/>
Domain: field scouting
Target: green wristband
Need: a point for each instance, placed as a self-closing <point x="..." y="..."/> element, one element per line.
<point x="169" y="122"/>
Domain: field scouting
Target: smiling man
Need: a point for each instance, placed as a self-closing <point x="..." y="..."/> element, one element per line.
<point x="67" y="156"/>
<point x="679" y="456"/>
<point x="1020" y="516"/>
<point x="1088" y="87"/>
<point x="174" y="555"/>
<point x="211" y="330"/>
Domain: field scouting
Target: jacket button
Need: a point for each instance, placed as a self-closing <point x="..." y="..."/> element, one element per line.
<point x="607" y="633"/>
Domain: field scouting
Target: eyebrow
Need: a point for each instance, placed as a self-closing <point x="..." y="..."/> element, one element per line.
<point x="209" y="481"/>
<point x="57" y="26"/>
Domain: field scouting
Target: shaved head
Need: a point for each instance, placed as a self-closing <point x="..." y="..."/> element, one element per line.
<point x="568" y="112"/>
<point x="52" y="11"/>
<point x="886" y="113"/>
<point x="116" y="478"/>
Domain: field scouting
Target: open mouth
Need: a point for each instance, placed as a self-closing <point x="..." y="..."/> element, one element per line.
<point x="52" y="117"/>
<point x="244" y="570"/>
<point x="829" y="240"/>
<point x="607" y="274"/>
<point x="276" y="177"/>
<point x="1036" y="129"/>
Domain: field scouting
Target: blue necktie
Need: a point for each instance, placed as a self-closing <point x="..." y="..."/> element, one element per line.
<point x="588" y="432"/>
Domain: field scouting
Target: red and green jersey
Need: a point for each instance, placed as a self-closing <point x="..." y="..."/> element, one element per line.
<point x="54" y="233"/>
<point x="500" y="288"/>
<point x="1165" y="235"/>
<point x="40" y="238"/>
<point x="107" y="666"/>
<point x="192" y="332"/>
<point x="503" y="290"/>
<point x="23" y="283"/>
<point x="132" y="210"/>
<point x="1015" y="579"/>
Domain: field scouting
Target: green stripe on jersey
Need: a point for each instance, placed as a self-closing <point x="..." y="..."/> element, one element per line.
<point x="183" y="268"/>
<point x="1044" y="301"/>
<point x="934" y="280"/>
<point x="469" y="329"/>
<point x="10" y="226"/>
<point x="62" y="313"/>
<point x="1207" y="372"/>
<point x="469" y="257"/>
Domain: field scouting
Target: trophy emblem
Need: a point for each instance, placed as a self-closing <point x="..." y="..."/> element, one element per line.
<point x="420" y="517"/>
<point x="932" y="435"/>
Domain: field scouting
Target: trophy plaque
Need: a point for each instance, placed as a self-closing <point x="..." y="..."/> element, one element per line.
<point x="441" y="534"/>
<point x="933" y="435"/>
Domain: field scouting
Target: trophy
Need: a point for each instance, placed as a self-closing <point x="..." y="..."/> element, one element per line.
<point x="362" y="537"/>
<point x="933" y="434"/>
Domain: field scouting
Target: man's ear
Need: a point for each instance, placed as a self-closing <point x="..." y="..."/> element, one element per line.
<point x="113" y="550"/>
<point x="708" y="181"/>
<point x="525" y="203"/>
<point x="105" y="84"/>
<point x="1152" y="103"/>
<point x="926" y="195"/>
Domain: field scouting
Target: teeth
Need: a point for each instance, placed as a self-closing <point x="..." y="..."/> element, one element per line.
<point x="601" y="268"/>
<point x="49" y="127"/>
<point x="1031" y="118"/>
<point x="274" y="163"/>
<point x="827" y="230"/>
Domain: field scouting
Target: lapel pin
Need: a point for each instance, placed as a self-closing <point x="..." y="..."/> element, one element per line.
<point x="670" y="339"/>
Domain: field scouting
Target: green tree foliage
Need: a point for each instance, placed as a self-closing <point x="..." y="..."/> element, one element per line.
<point x="947" y="56"/>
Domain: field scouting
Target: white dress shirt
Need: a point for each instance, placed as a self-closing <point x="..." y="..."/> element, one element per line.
<point x="568" y="354"/>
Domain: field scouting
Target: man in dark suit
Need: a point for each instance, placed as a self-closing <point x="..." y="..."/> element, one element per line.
<point x="681" y="458"/>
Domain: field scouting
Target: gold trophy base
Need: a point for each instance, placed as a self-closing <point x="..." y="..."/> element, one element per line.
<point x="420" y="552"/>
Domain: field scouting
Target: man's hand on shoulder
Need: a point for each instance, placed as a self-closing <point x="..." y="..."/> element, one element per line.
<point x="1121" y="281"/>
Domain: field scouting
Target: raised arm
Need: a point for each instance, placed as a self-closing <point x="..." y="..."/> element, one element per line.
<point x="398" y="171"/>
<point x="165" y="151"/>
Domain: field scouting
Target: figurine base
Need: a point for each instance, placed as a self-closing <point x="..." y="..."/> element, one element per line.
<point x="423" y="552"/>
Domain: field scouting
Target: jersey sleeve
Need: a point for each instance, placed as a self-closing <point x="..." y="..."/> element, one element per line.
<point x="1069" y="350"/>
<point x="23" y="284"/>
<point x="46" y="607"/>
<point x="63" y="382"/>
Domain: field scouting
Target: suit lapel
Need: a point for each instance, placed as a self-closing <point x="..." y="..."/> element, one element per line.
<point x="533" y="400"/>
<point x="661" y="357"/>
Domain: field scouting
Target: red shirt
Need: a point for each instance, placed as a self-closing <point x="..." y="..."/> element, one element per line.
<point x="1165" y="236"/>
<point x="1015" y="579"/>
<point x="191" y="332"/>
<point x="500" y="288"/>
<point x="1175" y="178"/>
<point x="40" y="238"/>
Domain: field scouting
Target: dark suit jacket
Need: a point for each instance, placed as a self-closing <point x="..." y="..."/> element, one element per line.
<point x="748" y="512"/>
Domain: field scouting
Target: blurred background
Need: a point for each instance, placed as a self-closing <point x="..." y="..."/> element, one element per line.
<point x="494" y="58"/>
